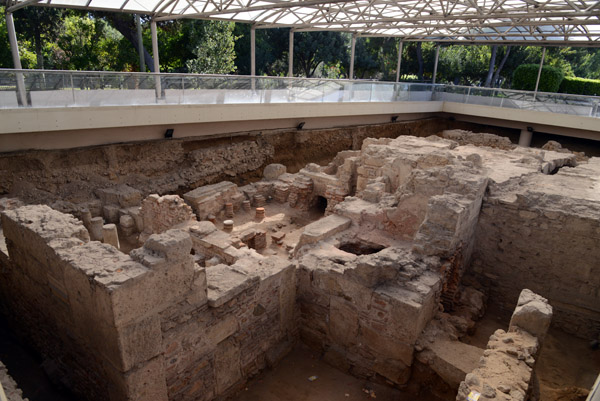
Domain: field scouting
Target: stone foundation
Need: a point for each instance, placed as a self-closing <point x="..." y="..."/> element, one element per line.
<point x="374" y="281"/>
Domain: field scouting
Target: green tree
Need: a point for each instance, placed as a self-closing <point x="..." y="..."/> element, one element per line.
<point x="5" y="54"/>
<point x="215" y="51"/>
<point x="39" y="26"/>
<point x="312" y="49"/>
<point x="272" y="46"/>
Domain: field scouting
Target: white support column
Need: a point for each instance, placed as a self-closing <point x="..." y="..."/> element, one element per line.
<point x="537" y="82"/>
<point x="252" y="51"/>
<point x="14" y="48"/>
<point x="351" y="73"/>
<point x="525" y="138"/>
<point x="400" y="45"/>
<point x="291" y="55"/>
<point x="156" y="59"/>
<point x="435" y="66"/>
<point x="253" y="57"/>
<point x="138" y="25"/>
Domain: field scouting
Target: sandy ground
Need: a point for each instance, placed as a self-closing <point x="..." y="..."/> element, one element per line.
<point x="289" y="381"/>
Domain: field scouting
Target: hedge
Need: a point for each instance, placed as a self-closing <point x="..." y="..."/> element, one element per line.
<point x="580" y="86"/>
<point x="525" y="76"/>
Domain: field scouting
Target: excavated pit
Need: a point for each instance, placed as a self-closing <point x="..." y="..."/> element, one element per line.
<point x="360" y="248"/>
<point x="400" y="269"/>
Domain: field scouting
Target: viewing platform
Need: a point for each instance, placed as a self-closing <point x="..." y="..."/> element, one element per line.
<point x="53" y="109"/>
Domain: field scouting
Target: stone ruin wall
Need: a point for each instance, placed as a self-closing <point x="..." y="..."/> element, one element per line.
<point x="543" y="232"/>
<point x="206" y="330"/>
<point x="506" y="371"/>
<point x="139" y="327"/>
<point x="67" y="177"/>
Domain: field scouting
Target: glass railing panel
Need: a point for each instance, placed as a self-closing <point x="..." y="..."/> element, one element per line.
<point x="93" y="89"/>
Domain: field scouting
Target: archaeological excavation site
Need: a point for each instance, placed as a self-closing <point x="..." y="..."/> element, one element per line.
<point x="424" y="260"/>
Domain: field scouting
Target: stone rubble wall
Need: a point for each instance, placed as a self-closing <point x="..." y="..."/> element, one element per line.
<point x="366" y="313"/>
<point x="160" y="213"/>
<point x="545" y="242"/>
<point x="146" y="326"/>
<point x="506" y="371"/>
<point x="174" y="165"/>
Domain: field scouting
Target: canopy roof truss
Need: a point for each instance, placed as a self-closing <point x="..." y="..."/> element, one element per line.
<point x="549" y="22"/>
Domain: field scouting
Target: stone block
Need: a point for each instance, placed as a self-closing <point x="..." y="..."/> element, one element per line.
<point x="451" y="360"/>
<point x="202" y="228"/>
<point x="42" y="221"/>
<point x="211" y="199"/>
<point x="220" y="331"/>
<point x="122" y="195"/>
<point x="136" y="214"/>
<point x="385" y="347"/>
<point x="343" y="322"/>
<point x="323" y="228"/>
<point x="140" y="341"/>
<point x="174" y="245"/>
<point x="146" y="382"/>
<point x="227" y="365"/>
<point x="409" y="314"/>
<point x="198" y="295"/>
<point x="225" y="283"/>
<point x="532" y="314"/>
<point x="273" y="171"/>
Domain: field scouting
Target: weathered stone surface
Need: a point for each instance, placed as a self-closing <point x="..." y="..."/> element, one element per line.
<point x="451" y="360"/>
<point x="123" y="196"/>
<point x="211" y="199"/>
<point x="322" y="229"/>
<point x="10" y="387"/>
<point x="273" y="171"/>
<point x="161" y="213"/>
<point x="195" y="312"/>
<point x="225" y="283"/>
<point x="532" y="314"/>
<point x="479" y="139"/>
<point x="45" y="222"/>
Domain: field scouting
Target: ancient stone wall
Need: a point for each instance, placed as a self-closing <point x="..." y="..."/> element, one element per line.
<point x="178" y="165"/>
<point x="506" y="371"/>
<point x="364" y="312"/>
<point x="542" y="232"/>
<point x="152" y="325"/>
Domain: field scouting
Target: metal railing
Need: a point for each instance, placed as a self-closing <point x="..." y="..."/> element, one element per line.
<point x="525" y="100"/>
<point x="50" y="88"/>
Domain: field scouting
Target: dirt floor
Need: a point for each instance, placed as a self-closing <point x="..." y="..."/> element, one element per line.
<point x="566" y="368"/>
<point x="291" y="381"/>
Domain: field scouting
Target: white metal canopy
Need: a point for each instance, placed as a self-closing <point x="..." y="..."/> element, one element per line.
<point x="549" y="22"/>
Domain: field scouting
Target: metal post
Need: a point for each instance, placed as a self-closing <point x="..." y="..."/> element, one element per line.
<point x="252" y="51"/>
<point x="72" y="88"/>
<point x="253" y="56"/>
<point x="14" y="48"/>
<point x="155" y="56"/>
<point x="291" y="55"/>
<point x="138" y="24"/>
<point x="537" y="82"/>
<point x="399" y="61"/>
<point x="437" y="57"/>
<point x="351" y="74"/>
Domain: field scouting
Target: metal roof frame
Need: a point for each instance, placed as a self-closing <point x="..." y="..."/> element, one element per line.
<point x="539" y="22"/>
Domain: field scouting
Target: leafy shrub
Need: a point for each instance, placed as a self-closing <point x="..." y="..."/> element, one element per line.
<point x="525" y="76"/>
<point x="580" y="86"/>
